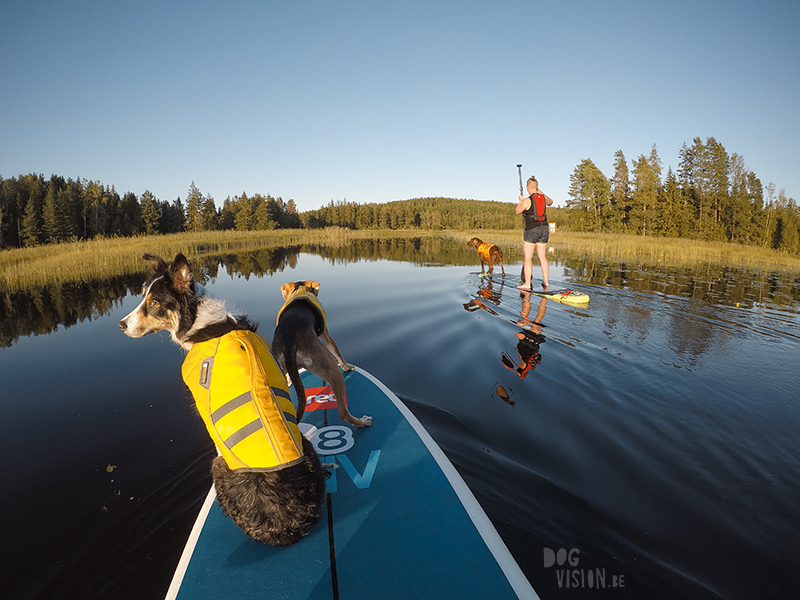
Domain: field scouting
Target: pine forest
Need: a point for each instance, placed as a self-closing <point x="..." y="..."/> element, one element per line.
<point x="713" y="197"/>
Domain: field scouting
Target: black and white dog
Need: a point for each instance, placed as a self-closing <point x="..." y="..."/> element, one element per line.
<point x="274" y="503"/>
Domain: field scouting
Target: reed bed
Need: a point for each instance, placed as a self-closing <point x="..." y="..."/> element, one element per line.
<point x="84" y="261"/>
<point x="677" y="251"/>
<point x="654" y="250"/>
<point x="96" y="259"/>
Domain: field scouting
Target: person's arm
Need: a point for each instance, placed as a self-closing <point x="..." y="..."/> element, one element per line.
<point x="524" y="204"/>
<point x="547" y="199"/>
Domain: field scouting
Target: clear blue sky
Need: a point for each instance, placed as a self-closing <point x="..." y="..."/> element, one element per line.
<point x="379" y="101"/>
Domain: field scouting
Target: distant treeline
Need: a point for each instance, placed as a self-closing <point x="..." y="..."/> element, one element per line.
<point x="712" y="197"/>
<point x="420" y="213"/>
<point x="35" y="210"/>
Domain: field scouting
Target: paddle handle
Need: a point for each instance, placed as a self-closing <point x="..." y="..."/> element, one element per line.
<point x="519" y="168"/>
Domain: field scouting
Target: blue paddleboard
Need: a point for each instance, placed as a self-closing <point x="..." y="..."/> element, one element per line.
<point x="399" y="522"/>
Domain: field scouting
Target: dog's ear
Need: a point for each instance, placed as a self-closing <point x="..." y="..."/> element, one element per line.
<point x="180" y="273"/>
<point x="287" y="288"/>
<point x="313" y="286"/>
<point x="158" y="264"/>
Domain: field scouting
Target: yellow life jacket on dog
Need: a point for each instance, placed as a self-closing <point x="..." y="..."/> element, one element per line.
<point x="484" y="249"/>
<point x="302" y="293"/>
<point x="242" y="396"/>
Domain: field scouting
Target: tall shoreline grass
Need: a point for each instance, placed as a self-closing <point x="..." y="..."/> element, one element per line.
<point x="672" y="251"/>
<point x="84" y="261"/>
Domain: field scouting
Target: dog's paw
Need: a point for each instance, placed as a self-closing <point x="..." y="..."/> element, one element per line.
<point x="366" y="421"/>
<point x="346" y="367"/>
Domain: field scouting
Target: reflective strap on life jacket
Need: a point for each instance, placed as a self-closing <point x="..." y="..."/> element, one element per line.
<point x="253" y="426"/>
<point x="242" y="397"/>
<point x="484" y="250"/>
<point x="302" y="293"/>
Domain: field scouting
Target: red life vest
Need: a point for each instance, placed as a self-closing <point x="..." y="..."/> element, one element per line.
<point x="539" y="206"/>
<point x="536" y="215"/>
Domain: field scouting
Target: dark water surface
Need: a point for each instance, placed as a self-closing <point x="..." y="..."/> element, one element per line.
<point x="651" y="436"/>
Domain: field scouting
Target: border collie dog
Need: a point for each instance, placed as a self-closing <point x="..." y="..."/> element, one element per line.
<point x="274" y="502"/>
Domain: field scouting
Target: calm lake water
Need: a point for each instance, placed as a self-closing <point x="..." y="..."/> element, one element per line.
<point x="651" y="435"/>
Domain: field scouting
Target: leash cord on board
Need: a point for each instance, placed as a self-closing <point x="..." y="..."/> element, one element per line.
<point x="331" y="543"/>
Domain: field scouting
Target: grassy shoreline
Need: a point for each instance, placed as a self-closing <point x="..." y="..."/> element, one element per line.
<point x="673" y="251"/>
<point x="90" y="260"/>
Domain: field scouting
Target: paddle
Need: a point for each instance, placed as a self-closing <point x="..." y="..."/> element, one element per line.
<point x="520" y="178"/>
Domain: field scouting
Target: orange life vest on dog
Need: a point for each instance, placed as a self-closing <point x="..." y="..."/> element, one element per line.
<point x="484" y="250"/>
<point x="242" y="396"/>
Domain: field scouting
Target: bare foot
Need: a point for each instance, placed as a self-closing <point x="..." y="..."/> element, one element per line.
<point x="524" y="288"/>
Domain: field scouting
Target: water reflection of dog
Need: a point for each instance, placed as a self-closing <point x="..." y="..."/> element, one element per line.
<point x="529" y="339"/>
<point x="485" y="294"/>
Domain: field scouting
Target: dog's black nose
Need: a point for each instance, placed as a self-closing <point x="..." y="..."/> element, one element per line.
<point x="123" y="325"/>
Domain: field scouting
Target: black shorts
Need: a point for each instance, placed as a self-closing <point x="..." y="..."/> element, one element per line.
<point x="537" y="235"/>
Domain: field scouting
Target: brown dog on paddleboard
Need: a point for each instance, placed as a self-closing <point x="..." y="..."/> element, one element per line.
<point x="491" y="253"/>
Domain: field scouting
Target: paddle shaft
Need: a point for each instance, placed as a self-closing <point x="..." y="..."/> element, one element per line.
<point x="519" y="167"/>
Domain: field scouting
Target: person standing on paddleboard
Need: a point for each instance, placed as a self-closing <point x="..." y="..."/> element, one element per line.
<point x="533" y="208"/>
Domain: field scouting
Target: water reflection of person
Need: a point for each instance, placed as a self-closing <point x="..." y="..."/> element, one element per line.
<point x="529" y="339"/>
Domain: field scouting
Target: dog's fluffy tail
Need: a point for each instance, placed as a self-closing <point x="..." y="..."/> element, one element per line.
<point x="291" y="369"/>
